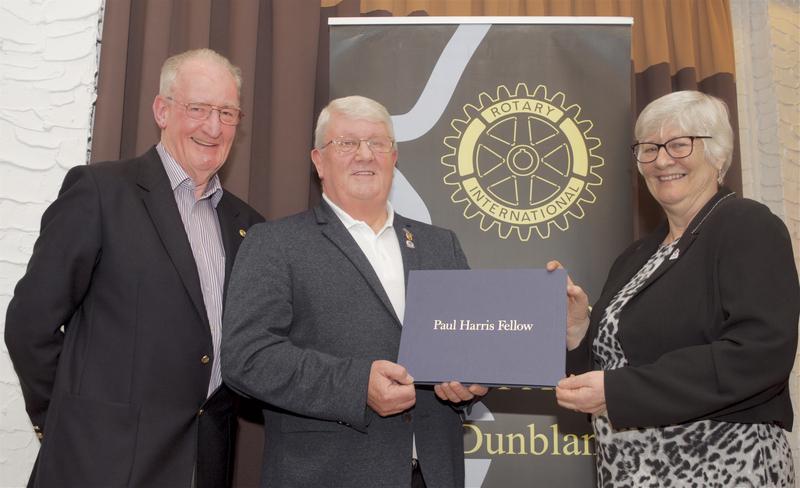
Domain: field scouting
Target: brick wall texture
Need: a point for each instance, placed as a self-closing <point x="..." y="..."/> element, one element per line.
<point x="767" y="46"/>
<point x="48" y="65"/>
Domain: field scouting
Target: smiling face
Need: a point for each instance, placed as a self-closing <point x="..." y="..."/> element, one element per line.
<point x="358" y="182"/>
<point x="681" y="186"/>
<point x="199" y="146"/>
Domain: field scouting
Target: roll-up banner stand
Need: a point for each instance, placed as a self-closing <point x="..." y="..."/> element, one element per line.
<point x="514" y="132"/>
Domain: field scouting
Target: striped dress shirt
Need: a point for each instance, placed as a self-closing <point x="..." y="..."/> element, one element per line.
<point x="200" y="220"/>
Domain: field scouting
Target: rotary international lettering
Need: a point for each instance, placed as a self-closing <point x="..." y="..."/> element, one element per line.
<point x="467" y="325"/>
<point x="523" y="216"/>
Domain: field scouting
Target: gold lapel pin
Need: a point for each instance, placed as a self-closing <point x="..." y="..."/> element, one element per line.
<point x="409" y="239"/>
<point x="242" y="232"/>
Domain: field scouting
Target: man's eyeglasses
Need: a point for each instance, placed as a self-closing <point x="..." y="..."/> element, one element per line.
<point x="349" y="145"/>
<point x="677" y="148"/>
<point x="201" y="111"/>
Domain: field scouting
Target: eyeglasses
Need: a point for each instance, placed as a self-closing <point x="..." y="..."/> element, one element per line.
<point x="677" y="148"/>
<point x="201" y="111"/>
<point x="349" y="145"/>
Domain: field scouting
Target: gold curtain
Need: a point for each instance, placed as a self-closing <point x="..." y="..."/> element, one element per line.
<point x="683" y="33"/>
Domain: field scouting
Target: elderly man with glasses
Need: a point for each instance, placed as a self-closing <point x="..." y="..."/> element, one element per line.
<point x="114" y="330"/>
<point x="313" y="321"/>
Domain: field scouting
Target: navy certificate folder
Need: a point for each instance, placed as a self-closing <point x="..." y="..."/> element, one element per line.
<point x="495" y="327"/>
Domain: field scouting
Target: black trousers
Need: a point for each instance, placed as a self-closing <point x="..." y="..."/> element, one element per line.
<point x="417" y="481"/>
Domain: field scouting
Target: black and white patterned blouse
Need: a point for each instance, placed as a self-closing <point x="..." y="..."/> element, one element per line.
<point x="704" y="453"/>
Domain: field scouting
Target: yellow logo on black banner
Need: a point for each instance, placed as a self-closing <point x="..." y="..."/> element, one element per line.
<point x="522" y="161"/>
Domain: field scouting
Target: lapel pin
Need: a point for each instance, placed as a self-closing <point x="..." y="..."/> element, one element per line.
<point x="409" y="239"/>
<point x="242" y="232"/>
<point x="674" y="255"/>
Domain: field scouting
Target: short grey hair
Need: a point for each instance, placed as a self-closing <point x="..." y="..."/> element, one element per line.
<point x="354" y="107"/>
<point x="695" y="114"/>
<point x="169" y="70"/>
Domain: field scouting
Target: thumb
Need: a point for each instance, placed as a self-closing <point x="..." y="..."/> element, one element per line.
<point x="553" y="265"/>
<point x="398" y="373"/>
<point x="570" y="382"/>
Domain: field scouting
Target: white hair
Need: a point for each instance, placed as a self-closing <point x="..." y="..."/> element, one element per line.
<point x="169" y="70"/>
<point x="354" y="107"/>
<point x="695" y="114"/>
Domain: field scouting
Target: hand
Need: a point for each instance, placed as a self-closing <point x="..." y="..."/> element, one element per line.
<point x="391" y="388"/>
<point x="577" y="310"/>
<point x="455" y="392"/>
<point x="583" y="393"/>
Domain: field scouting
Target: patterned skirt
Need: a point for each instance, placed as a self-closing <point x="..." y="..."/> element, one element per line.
<point x="706" y="453"/>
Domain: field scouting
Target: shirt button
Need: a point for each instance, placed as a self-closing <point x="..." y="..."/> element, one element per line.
<point x="205" y="359"/>
<point x="200" y="412"/>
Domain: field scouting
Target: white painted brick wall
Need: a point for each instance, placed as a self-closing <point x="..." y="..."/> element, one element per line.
<point x="784" y="21"/>
<point x="48" y="62"/>
<point x="767" y="47"/>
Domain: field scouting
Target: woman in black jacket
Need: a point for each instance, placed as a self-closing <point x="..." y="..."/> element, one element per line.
<point x="690" y="345"/>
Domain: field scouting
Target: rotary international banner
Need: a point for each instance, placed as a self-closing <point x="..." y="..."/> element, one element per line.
<point x="514" y="133"/>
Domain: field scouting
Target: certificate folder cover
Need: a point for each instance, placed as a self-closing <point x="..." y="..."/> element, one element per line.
<point x="492" y="327"/>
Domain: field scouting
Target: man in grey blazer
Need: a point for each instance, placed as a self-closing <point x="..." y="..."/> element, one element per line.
<point x="313" y="319"/>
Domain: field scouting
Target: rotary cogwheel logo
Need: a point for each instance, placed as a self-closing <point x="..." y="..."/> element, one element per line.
<point x="522" y="161"/>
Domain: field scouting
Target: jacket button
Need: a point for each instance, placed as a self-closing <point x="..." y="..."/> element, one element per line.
<point x="205" y="359"/>
<point x="407" y="418"/>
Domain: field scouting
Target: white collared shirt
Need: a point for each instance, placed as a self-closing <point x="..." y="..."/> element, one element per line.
<point x="382" y="250"/>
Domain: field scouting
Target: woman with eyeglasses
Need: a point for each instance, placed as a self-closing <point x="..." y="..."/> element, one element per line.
<point x="690" y="345"/>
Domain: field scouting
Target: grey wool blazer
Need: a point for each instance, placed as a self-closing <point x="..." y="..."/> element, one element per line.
<point x="305" y="317"/>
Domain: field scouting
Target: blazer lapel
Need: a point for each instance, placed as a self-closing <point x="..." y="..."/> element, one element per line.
<point x="632" y="265"/>
<point x="335" y="231"/>
<point x="407" y="239"/>
<point x="685" y="242"/>
<point x="232" y="231"/>
<point x="160" y="203"/>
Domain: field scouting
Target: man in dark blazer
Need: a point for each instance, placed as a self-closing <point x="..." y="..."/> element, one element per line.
<point x="114" y="329"/>
<point x="313" y="322"/>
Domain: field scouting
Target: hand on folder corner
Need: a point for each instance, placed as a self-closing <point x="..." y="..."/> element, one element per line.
<point x="585" y="392"/>
<point x="455" y="392"/>
<point x="577" y="310"/>
<point x="391" y="389"/>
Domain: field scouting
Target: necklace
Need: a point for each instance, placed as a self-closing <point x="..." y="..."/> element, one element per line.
<point x="711" y="210"/>
<point x="669" y="239"/>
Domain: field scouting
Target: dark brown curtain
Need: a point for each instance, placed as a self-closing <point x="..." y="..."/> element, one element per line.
<point x="282" y="48"/>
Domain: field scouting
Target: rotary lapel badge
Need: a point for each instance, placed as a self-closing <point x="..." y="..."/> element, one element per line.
<point x="409" y="239"/>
